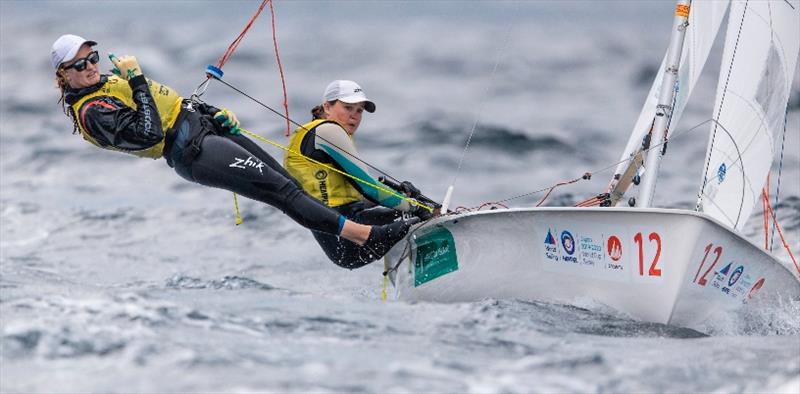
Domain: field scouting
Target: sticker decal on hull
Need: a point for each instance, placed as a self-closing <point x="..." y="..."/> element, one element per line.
<point x="436" y="256"/>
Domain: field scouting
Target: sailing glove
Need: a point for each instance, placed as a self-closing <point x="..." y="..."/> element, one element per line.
<point x="125" y="67"/>
<point x="227" y="119"/>
<point x="409" y="189"/>
<point x="420" y="212"/>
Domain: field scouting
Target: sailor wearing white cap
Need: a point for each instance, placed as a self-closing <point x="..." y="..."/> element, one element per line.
<point x="328" y="138"/>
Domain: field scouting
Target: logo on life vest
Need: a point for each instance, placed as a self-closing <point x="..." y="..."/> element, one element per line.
<point x="249" y="162"/>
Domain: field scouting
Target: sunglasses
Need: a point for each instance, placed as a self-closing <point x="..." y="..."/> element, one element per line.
<point x="80" y="64"/>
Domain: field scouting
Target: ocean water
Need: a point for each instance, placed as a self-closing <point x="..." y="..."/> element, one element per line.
<point x="118" y="276"/>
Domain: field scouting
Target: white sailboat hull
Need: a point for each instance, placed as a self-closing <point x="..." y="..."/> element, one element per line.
<point x="665" y="266"/>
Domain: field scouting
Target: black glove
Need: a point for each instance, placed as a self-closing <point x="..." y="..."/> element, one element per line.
<point x="409" y="189"/>
<point x="421" y="212"/>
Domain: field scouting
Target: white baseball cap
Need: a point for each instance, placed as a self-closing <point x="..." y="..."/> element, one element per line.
<point x="348" y="92"/>
<point x="66" y="47"/>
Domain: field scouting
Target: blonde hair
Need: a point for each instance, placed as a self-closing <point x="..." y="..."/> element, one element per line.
<point x="62" y="84"/>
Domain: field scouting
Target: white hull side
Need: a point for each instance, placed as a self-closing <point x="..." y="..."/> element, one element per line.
<point x="508" y="254"/>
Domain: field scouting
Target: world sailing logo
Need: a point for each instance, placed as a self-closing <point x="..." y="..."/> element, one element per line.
<point x="549" y="240"/>
<point x="550" y="247"/>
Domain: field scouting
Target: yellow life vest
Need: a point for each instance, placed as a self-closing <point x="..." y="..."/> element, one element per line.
<point x="167" y="101"/>
<point x="332" y="188"/>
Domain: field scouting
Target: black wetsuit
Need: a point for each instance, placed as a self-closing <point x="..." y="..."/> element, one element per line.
<point x="347" y="254"/>
<point x="202" y="151"/>
<point x="342" y="252"/>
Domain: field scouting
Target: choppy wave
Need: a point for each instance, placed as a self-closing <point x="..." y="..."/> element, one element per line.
<point x="226" y="283"/>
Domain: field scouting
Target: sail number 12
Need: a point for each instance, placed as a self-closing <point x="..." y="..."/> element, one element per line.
<point x="702" y="281"/>
<point x="653" y="270"/>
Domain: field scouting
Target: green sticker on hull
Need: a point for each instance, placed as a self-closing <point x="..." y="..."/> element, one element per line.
<point x="436" y="256"/>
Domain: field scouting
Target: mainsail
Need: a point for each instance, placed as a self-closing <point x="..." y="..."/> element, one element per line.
<point x="705" y="19"/>
<point x="758" y="64"/>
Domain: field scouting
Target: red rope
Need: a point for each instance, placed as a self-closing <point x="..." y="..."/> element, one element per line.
<point x="555" y="186"/>
<point x="491" y="204"/>
<point x="235" y="43"/>
<point x="590" y="202"/>
<point x="280" y="68"/>
<point x="778" y="226"/>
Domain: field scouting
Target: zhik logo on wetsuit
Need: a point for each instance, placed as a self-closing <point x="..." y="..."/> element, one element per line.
<point x="249" y="162"/>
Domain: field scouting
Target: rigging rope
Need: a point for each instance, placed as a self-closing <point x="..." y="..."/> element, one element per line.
<point x="280" y="69"/>
<point x="221" y="63"/>
<point x="780" y="172"/>
<point x="477" y="118"/>
<point x="721" y="105"/>
<point x="235" y="44"/>
<point x="587" y="175"/>
<point x="217" y="74"/>
<point x="500" y="54"/>
<point x="301" y="126"/>
<point x="765" y="197"/>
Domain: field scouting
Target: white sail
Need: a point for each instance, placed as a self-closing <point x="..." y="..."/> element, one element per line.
<point x="705" y="18"/>
<point x="758" y="64"/>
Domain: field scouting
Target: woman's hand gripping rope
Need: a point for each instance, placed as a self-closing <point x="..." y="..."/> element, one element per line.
<point x="125" y="67"/>
<point x="228" y="120"/>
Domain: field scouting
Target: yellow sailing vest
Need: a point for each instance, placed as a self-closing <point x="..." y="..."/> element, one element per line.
<point x="332" y="188"/>
<point x="167" y="101"/>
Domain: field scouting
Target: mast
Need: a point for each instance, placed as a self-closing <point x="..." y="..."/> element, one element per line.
<point x="664" y="108"/>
